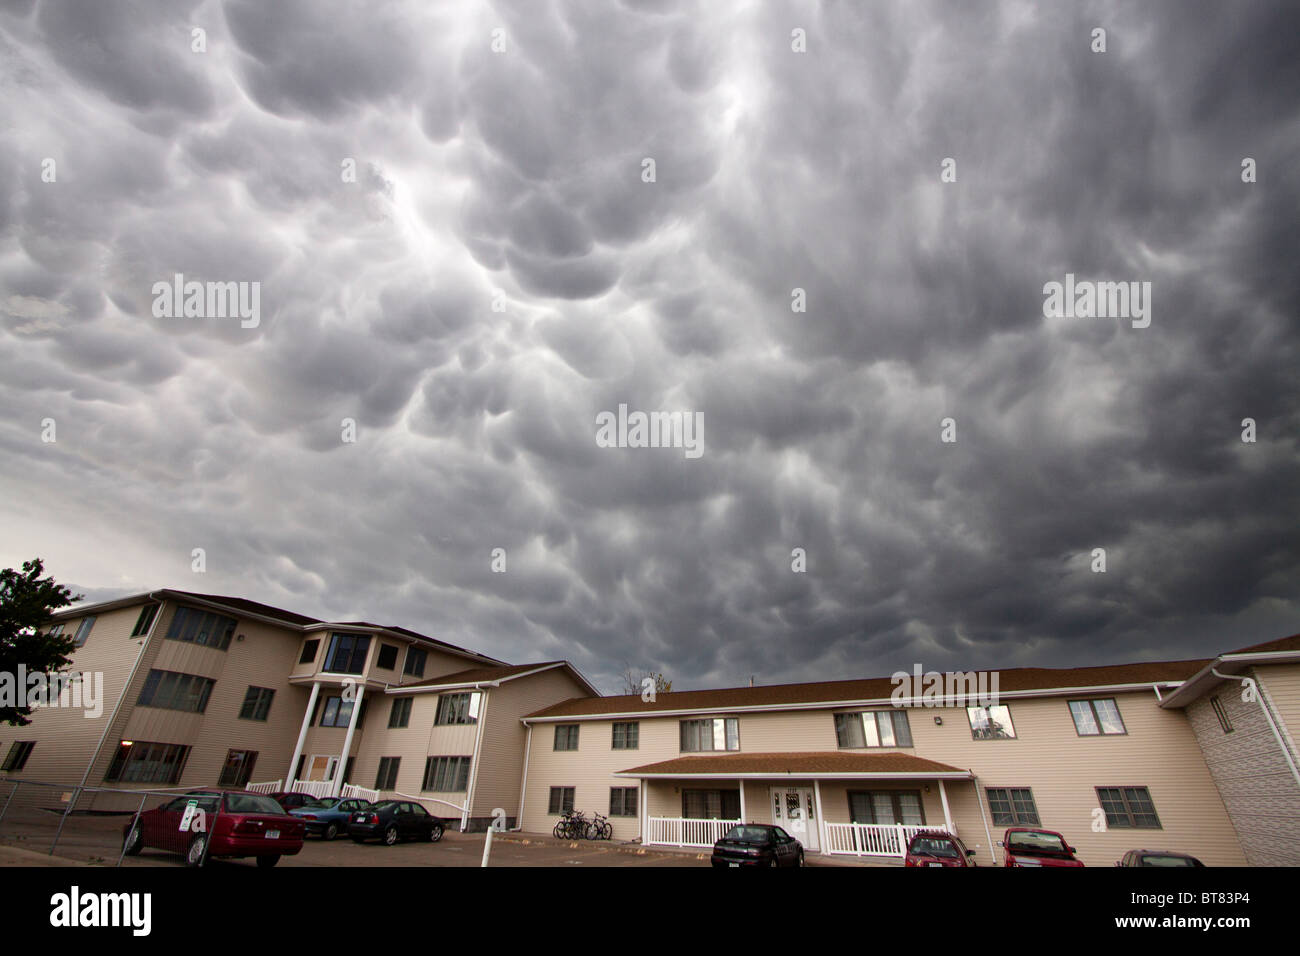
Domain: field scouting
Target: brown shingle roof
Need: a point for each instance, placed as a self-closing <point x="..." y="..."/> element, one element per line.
<point x="253" y="607"/>
<point x="877" y="688"/>
<point x="796" y="764"/>
<point x="1291" y="643"/>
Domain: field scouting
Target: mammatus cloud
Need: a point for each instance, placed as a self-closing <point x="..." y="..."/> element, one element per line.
<point x="461" y="249"/>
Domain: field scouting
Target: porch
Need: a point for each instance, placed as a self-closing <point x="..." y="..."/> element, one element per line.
<point x="846" y="804"/>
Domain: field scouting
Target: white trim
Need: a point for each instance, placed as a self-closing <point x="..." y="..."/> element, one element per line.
<point x="353" y="719"/>
<point x="988" y="834"/>
<point x="481" y="720"/>
<point x="912" y="703"/>
<point x="302" y="731"/>
<point x="947" y="814"/>
<point x="398" y="689"/>
<point x="523" y="789"/>
<point x="823" y="837"/>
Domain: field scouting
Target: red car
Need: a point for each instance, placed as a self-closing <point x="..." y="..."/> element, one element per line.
<point x="219" y="823"/>
<point x="1030" y="846"/>
<point x="937" y="848"/>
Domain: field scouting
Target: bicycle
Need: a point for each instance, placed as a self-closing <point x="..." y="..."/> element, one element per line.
<point x="598" y="828"/>
<point x="572" y="826"/>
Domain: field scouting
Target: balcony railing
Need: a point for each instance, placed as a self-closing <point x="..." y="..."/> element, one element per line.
<point x="681" y="831"/>
<point x="871" y="839"/>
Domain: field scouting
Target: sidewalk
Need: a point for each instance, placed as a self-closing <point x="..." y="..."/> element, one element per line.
<point x="20" y="856"/>
<point x="546" y="839"/>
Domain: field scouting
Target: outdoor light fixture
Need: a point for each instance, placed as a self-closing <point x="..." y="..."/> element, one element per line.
<point x="938" y="720"/>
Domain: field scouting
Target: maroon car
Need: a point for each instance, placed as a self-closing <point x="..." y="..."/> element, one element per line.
<point x="1030" y="846"/>
<point x="937" y="848"/>
<point x="215" y="823"/>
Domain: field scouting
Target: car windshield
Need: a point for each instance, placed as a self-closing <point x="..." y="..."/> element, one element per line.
<point x="744" y="834"/>
<point x="934" y="846"/>
<point x="1035" y="841"/>
<point x="382" y="805"/>
<point x="251" y="803"/>
<point x="1157" y="859"/>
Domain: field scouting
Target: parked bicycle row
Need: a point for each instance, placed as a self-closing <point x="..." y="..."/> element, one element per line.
<point x="574" y="825"/>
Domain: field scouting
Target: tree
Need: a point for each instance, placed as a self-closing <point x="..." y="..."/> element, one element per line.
<point x="633" y="679"/>
<point x="27" y="606"/>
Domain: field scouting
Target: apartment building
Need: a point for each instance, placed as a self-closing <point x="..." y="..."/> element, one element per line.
<point x="204" y="690"/>
<point x="1115" y="757"/>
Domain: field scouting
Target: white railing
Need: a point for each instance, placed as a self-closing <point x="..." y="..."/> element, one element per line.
<point x="871" y="839"/>
<point x="365" y="793"/>
<point x="317" y="788"/>
<point x="681" y="831"/>
<point x="272" y="786"/>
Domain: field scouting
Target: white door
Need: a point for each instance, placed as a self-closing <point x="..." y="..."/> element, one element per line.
<point x="794" y="812"/>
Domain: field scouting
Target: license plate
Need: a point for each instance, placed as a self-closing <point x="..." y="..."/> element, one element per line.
<point x="733" y="864"/>
<point x="934" y="864"/>
<point x="273" y="834"/>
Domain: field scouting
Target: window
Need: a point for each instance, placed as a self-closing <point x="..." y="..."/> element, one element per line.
<point x="719" y="733"/>
<point x="1221" y="714"/>
<point x="400" y="713"/>
<point x="309" y="649"/>
<point x="622" y="801"/>
<point x="627" y="736"/>
<point x="711" y="804"/>
<point x="387" y="656"/>
<point x="173" y="691"/>
<point x="1094" y="718"/>
<point x="561" y="801"/>
<point x="1128" y="808"/>
<point x="336" y="712"/>
<point x="458" y="708"/>
<point x="145" y="620"/>
<point x="238" y="768"/>
<point x="1012" y="807"/>
<point x="386" y="779"/>
<point x="415" y="659"/>
<point x="883" y="728"/>
<point x="83" y="630"/>
<point x="566" y="736"/>
<point x="347" y="653"/>
<point x="257" y="703"/>
<point x="192" y="626"/>
<point x="446" y="774"/>
<point x="886" y="807"/>
<point x="55" y="631"/>
<point x="143" y="762"/>
<point x="990" y="723"/>
<point x="16" y="759"/>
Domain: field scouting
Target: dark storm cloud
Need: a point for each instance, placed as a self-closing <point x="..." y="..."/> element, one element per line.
<point x="497" y="273"/>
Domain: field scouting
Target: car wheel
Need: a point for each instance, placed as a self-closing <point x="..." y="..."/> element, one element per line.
<point x="435" y="833"/>
<point x="266" y="862"/>
<point x="390" y="835"/>
<point x="134" y="841"/>
<point x="331" y="831"/>
<point x="194" y="855"/>
<point x="801" y="861"/>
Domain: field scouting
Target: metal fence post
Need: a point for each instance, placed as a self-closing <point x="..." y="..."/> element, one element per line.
<point x="487" y="845"/>
<point x="134" y="820"/>
<point x="76" y="795"/>
<point x="17" y="784"/>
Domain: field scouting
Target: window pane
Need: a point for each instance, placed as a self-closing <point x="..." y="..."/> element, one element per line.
<point x="1108" y="714"/>
<point x="885" y="727"/>
<point x="902" y="731"/>
<point x="872" y="733"/>
<point x="1084" y="723"/>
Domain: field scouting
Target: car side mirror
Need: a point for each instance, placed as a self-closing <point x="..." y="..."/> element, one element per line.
<point x="970" y="852"/>
<point x="1069" y="849"/>
<point x="1001" y="844"/>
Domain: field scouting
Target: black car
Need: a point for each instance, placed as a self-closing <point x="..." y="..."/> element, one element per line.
<point x="393" y="820"/>
<point x="756" y="844"/>
<point x="1158" y="858"/>
<point x="292" y="801"/>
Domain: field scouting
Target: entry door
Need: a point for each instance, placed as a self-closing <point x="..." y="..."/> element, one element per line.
<point x="322" y="767"/>
<point x="793" y="810"/>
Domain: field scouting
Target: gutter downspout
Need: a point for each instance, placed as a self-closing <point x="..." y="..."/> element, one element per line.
<point x="987" y="833"/>
<point x="523" y="790"/>
<point x="473" y="773"/>
<point x="1156" y="688"/>
<point x="162" y="604"/>
<point x="1268" y="716"/>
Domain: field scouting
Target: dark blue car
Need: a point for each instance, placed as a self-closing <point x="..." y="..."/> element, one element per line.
<point x="328" y="816"/>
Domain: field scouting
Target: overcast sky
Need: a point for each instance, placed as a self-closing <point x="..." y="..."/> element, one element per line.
<point x="515" y="178"/>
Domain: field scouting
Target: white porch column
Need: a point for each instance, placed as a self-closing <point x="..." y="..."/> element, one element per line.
<point x="947" y="817"/>
<point x="743" y="818"/>
<point x="644" y="811"/>
<point x="302" y="734"/>
<point x="822" y="833"/>
<point x="347" y="742"/>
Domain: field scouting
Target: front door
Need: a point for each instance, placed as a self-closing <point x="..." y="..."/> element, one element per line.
<point x="793" y="810"/>
<point x="322" y="767"/>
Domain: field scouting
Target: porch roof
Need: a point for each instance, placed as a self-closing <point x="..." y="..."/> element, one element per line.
<point x="824" y="765"/>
